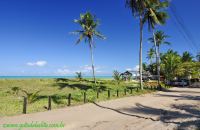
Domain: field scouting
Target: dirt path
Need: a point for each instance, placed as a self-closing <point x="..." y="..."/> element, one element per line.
<point x="179" y="108"/>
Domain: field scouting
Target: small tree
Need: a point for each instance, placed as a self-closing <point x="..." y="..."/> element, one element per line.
<point x="117" y="77"/>
<point x="79" y="76"/>
<point x="32" y="96"/>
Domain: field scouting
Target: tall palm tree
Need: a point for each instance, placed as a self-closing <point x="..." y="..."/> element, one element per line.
<point x="198" y="57"/>
<point x="138" y="8"/>
<point x="150" y="11"/>
<point x="187" y="57"/>
<point x="156" y="15"/>
<point x="89" y="24"/>
<point x="151" y="55"/>
<point x="159" y="38"/>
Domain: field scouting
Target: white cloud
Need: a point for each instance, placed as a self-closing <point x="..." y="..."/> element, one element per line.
<point x="129" y="69"/>
<point x="136" y="68"/>
<point x="40" y="63"/>
<point x="63" y="71"/>
<point x="88" y="68"/>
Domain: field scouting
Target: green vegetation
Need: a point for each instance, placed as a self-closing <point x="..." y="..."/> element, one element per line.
<point x="37" y="91"/>
<point x="158" y="39"/>
<point x="174" y="65"/>
<point x="117" y="77"/>
<point x="79" y="76"/>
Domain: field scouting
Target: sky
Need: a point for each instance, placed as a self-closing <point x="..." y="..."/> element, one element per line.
<point x="35" y="37"/>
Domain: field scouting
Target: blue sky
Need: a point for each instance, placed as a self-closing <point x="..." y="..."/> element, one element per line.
<point x="35" y="39"/>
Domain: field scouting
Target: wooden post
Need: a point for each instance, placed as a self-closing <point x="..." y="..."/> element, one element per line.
<point x="137" y="89"/>
<point x="117" y="93"/>
<point x="49" y="102"/>
<point x="69" y="99"/>
<point x="131" y="90"/>
<point x="97" y="93"/>
<point x="25" y="105"/>
<point x="108" y="93"/>
<point x="151" y="88"/>
<point x="84" y="100"/>
<point x="124" y="91"/>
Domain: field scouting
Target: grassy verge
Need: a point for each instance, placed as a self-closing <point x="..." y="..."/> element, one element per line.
<point x="11" y="102"/>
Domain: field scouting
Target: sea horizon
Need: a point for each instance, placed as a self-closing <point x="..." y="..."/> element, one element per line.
<point x="50" y="77"/>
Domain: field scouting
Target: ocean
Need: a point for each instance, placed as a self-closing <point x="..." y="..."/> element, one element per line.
<point x="50" y="77"/>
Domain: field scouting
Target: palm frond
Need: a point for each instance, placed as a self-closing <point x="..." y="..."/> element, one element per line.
<point x="98" y="34"/>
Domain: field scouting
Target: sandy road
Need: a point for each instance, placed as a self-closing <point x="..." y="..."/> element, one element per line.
<point x="179" y="108"/>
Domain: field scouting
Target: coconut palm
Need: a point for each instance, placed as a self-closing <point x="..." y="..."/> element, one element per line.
<point x="170" y="61"/>
<point x="89" y="24"/>
<point x="151" y="55"/>
<point x="156" y="15"/>
<point x="198" y="57"/>
<point x="138" y="8"/>
<point x="159" y="38"/>
<point x="187" y="57"/>
<point x="148" y="11"/>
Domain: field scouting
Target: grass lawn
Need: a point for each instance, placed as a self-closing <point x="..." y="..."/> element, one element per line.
<point x="12" y="103"/>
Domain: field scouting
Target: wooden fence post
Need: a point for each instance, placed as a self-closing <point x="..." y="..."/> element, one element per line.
<point x="117" y="93"/>
<point x="84" y="100"/>
<point x="124" y="91"/>
<point x="69" y="99"/>
<point x="49" y="102"/>
<point x="131" y="90"/>
<point x="25" y="105"/>
<point x="97" y="93"/>
<point x="108" y="93"/>
<point x="137" y="89"/>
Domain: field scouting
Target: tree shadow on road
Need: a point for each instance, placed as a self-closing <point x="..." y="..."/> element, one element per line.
<point x="183" y="115"/>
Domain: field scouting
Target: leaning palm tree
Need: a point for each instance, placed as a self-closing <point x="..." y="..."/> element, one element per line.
<point x="151" y="55"/>
<point x="159" y="38"/>
<point x="89" y="24"/>
<point x="148" y="11"/>
<point x="156" y="15"/>
<point x="138" y="8"/>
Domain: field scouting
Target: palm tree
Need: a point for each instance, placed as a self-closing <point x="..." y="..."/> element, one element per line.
<point x="187" y="57"/>
<point x="198" y="57"/>
<point x="170" y="61"/>
<point x="89" y="24"/>
<point x="158" y="39"/>
<point x="79" y="76"/>
<point x="117" y="77"/>
<point x="156" y="15"/>
<point x="138" y="8"/>
<point x="150" y="11"/>
<point x="151" y="55"/>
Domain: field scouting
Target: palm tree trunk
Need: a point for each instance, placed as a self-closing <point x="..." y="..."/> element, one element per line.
<point x="157" y="58"/>
<point x="140" y="53"/>
<point x="92" y="60"/>
<point x="159" y="67"/>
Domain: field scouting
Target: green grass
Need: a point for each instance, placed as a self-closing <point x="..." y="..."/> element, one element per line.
<point x="12" y="104"/>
